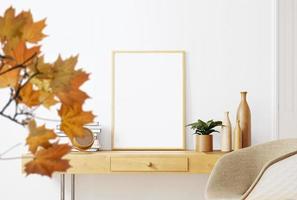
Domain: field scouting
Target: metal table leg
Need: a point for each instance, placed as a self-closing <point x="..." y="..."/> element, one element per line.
<point x="72" y="187"/>
<point x="62" y="189"/>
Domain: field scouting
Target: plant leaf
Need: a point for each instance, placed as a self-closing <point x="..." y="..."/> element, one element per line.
<point x="204" y="128"/>
<point x="210" y="131"/>
<point x="202" y="125"/>
<point x="215" y="124"/>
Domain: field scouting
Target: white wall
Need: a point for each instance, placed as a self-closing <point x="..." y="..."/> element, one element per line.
<point x="287" y="76"/>
<point x="230" y="47"/>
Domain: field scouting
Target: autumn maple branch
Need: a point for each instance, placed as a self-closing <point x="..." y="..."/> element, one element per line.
<point x="59" y="82"/>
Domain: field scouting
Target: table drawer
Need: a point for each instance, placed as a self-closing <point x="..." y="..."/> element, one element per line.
<point x="149" y="164"/>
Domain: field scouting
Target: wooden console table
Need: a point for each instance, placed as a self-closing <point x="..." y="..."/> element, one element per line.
<point x="111" y="162"/>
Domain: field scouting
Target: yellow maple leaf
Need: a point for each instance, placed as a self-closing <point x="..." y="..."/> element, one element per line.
<point x="47" y="161"/>
<point x="42" y="81"/>
<point x="45" y="74"/>
<point x="28" y="96"/>
<point x="47" y="99"/>
<point x="10" y="25"/>
<point x="33" y="32"/>
<point x="42" y="84"/>
<point x="39" y="136"/>
<point x="45" y="69"/>
<point x="20" y="27"/>
<point x="73" y="120"/>
<point x="66" y="81"/>
<point x="63" y="72"/>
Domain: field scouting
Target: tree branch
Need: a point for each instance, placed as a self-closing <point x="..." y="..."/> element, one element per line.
<point x="9" y="101"/>
<point x="13" y="119"/>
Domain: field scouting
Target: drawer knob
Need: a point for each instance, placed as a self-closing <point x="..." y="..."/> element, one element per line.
<point x="150" y="164"/>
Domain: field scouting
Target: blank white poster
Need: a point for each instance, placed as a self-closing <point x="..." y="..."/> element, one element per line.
<point x="148" y="100"/>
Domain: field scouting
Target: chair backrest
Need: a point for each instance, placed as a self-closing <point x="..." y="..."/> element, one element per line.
<point x="236" y="171"/>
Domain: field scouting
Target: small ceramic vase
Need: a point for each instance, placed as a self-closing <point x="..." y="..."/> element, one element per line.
<point x="226" y="134"/>
<point x="244" y="116"/>
<point x="237" y="136"/>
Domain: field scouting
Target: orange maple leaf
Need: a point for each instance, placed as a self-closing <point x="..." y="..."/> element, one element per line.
<point x="22" y="55"/>
<point x="39" y="136"/>
<point x="47" y="161"/>
<point x="9" y="79"/>
<point x="28" y="96"/>
<point x="73" y="120"/>
<point x="73" y="94"/>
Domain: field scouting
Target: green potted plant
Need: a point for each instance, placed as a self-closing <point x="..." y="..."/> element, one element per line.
<point x="203" y="135"/>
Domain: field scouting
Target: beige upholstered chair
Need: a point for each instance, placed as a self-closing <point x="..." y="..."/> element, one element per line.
<point x="235" y="173"/>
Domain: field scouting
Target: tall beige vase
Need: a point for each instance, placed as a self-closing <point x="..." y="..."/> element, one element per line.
<point x="226" y="134"/>
<point x="237" y="139"/>
<point x="244" y="116"/>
